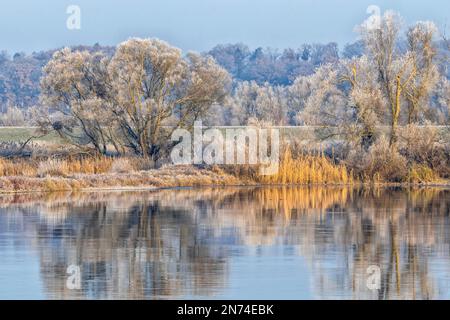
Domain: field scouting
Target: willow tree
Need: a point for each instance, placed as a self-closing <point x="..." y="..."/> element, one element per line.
<point x="423" y="52"/>
<point x="134" y="100"/>
<point x="381" y="42"/>
<point x="74" y="90"/>
<point x="404" y="77"/>
<point x="316" y="100"/>
<point x="158" y="90"/>
<point x="365" y="98"/>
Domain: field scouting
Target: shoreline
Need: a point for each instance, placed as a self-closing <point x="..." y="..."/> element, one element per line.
<point x="165" y="178"/>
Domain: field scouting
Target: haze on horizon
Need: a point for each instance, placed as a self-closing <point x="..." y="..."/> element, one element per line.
<point x="199" y="25"/>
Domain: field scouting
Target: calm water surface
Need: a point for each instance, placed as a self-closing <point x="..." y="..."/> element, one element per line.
<point x="230" y="243"/>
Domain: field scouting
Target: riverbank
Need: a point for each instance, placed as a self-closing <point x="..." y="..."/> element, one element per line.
<point x="165" y="177"/>
<point x="107" y="173"/>
<point x="183" y="176"/>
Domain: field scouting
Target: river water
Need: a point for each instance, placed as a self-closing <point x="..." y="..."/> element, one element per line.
<point x="227" y="243"/>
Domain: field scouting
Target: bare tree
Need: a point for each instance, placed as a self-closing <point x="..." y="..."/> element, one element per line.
<point x="423" y="53"/>
<point x="365" y="97"/>
<point x="74" y="91"/>
<point x="253" y="102"/>
<point x="395" y="71"/>
<point x="316" y="99"/>
<point x="155" y="86"/>
<point x="132" y="101"/>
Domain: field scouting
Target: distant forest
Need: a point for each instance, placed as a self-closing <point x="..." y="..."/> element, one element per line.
<point x="20" y="73"/>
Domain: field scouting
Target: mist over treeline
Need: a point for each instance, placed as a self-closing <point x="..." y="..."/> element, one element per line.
<point x="20" y="73"/>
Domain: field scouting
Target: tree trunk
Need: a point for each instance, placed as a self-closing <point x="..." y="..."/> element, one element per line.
<point x="395" y="113"/>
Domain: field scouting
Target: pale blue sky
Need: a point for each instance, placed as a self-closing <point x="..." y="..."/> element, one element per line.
<point x="27" y="25"/>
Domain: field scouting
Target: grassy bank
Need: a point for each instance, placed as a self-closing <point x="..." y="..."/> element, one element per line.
<point x="164" y="177"/>
<point x="421" y="157"/>
<point x="25" y="175"/>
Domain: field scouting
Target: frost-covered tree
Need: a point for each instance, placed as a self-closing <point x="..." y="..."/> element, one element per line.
<point x="365" y="98"/>
<point x="396" y="71"/>
<point x="76" y="92"/>
<point x="272" y="66"/>
<point x="426" y="73"/>
<point x="438" y="110"/>
<point x="262" y="103"/>
<point x="232" y="57"/>
<point x="12" y="117"/>
<point x="155" y="86"/>
<point x="353" y="50"/>
<point x="316" y="99"/>
<point x="132" y="101"/>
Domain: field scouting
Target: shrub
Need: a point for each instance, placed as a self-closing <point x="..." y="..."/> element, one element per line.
<point x="383" y="163"/>
<point x="418" y="143"/>
<point x="17" y="167"/>
<point x="89" y="165"/>
<point x="425" y="146"/>
<point x="53" y="167"/>
<point x="121" y="165"/>
<point x="141" y="164"/>
<point x="308" y="169"/>
<point x="422" y="174"/>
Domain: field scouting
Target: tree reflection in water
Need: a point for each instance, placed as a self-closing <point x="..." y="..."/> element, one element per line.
<point x="179" y="243"/>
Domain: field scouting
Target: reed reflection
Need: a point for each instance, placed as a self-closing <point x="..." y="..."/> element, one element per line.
<point x="180" y="243"/>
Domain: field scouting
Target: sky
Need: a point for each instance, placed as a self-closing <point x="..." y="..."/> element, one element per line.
<point x="198" y="25"/>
